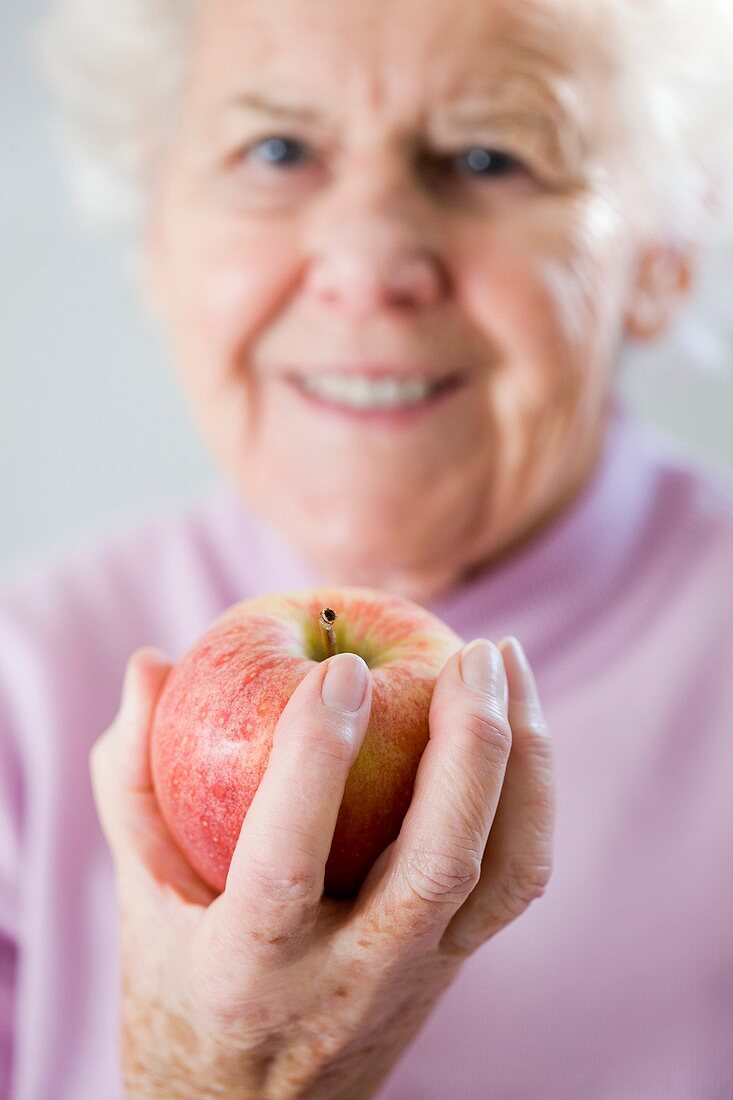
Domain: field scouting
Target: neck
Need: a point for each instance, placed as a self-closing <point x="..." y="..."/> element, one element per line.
<point x="433" y="579"/>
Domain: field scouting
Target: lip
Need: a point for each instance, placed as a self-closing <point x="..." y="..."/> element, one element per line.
<point x="404" y="372"/>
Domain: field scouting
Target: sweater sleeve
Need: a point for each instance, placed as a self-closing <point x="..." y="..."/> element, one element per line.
<point x="9" y="861"/>
<point x="11" y="798"/>
<point x="7" y="986"/>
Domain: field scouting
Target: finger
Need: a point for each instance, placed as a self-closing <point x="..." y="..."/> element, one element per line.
<point x="518" y="861"/>
<point x="122" y="784"/>
<point x="277" y="873"/>
<point x="119" y="759"/>
<point x="436" y="859"/>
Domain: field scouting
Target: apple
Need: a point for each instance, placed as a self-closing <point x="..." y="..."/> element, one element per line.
<point x="215" y="720"/>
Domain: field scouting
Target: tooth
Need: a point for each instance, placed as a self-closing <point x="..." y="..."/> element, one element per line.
<point x="358" y="392"/>
<point x="416" y="390"/>
<point x="363" y="392"/>
<point x="342" y="390"/>
<point x="330" y="387"/>
<point x="386" y="391"/>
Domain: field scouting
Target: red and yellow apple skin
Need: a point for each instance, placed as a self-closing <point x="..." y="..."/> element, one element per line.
<point x="215" y="720"/>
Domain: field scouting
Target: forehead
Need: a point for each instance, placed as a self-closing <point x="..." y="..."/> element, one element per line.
<point x="387" y="51"/>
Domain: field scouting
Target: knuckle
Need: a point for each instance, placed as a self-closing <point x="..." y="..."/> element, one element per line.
<point x="529" y="717"/>
<point x="537" y="753"/>
<point x="490" y="728"/>
<point x="537" y="727"/>
<point x="286" y="883"/>
<point x="523" y="884"/>
<point x="436" y="875"/>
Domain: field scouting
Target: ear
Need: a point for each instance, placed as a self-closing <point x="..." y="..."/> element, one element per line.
<point x="663" y="279"/>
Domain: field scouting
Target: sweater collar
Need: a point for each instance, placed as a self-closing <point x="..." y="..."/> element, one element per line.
<point x="554" y="587"/>
<point x="546" y="592"/>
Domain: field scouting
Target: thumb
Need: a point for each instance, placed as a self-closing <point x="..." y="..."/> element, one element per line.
<point x="119" y="761"/>
<point x="124" y="795"/>
<point x="145" y="677"/>
<point x="126" y="740"/>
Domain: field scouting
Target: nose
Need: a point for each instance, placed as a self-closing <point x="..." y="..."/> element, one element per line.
<point x="370" y="250"/>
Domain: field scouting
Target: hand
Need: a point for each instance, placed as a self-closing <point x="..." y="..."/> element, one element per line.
<point x="271" y="990"/>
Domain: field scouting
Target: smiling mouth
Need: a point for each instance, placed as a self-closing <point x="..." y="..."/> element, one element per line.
<point x="374" y="393"/>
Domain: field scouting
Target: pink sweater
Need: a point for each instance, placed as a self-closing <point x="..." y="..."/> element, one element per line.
<point x="618" y="984"/>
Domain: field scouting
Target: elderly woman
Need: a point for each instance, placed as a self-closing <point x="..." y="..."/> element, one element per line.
<point x="399" y="250"/>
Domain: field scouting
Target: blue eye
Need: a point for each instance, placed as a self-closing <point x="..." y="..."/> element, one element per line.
<point x="280" y="152"/>
<point x="487" y="163"/>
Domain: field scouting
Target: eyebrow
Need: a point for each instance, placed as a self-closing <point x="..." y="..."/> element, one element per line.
<point x="466" y="116"/>
<point x="515" y="99"/>
<point x="550" y="109"/>
<point x="293" y="112"/>
<point x="470" y="121"/>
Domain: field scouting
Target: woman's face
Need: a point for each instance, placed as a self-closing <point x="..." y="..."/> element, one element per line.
<point x="435" y="190"/>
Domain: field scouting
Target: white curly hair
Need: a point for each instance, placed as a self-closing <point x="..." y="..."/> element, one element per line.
<point x="116" y="68"/>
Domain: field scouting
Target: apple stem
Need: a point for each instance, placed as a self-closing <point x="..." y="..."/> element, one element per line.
<point x="327" y="619"/>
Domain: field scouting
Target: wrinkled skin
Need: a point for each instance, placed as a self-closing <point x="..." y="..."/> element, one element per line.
<point x="379" y="240"/>
<point x="378" y="243"/>
<point x="271" y="991"/>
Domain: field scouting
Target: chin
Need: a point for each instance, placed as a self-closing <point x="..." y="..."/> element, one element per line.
<point x="349" y="540"/>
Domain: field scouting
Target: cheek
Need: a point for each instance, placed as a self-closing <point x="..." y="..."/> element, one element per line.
<point x="228" y="292"/>
<point x="585" y="278"/>
<point x="548" y="293"/>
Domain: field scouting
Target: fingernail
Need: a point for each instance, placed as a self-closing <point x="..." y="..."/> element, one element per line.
<point x="529" y="684"/>
<point x="518" y="650"/>
<point x="482" y="668"/>
<point x="345" y="683"/>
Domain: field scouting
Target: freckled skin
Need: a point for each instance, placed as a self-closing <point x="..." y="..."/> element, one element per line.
<point x="216" y="718"/>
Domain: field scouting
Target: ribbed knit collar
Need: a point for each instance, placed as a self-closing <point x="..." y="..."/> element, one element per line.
<point x="556" y="585"/>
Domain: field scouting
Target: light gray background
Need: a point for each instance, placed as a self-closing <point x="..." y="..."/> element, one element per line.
<point x="92" y="429"/>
